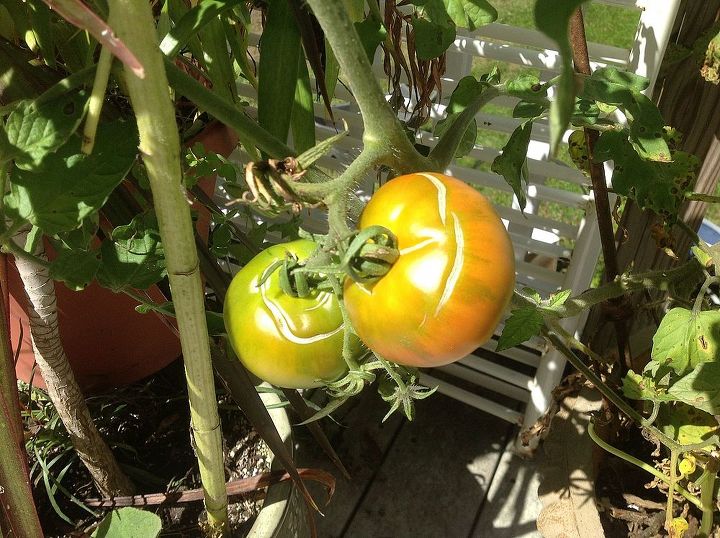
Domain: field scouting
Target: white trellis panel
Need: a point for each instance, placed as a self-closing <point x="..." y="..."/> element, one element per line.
<point x="516" y="384"/>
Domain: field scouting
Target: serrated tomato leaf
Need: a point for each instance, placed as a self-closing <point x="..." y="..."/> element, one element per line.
<point x="69" y="187"/>
<point x="471" y="14"/>
<point x="613" y="86"/>
<point x="700" y="388"/>
<point x="638" y="387"/>
<point x="34" y="131"/>
<point x="523" y="324"/>
<point x="646" y="129"/>
<point x="133" y="258"/>
<point x="512" y="162"/>
<point x="658" y="186"/>
<point x="467" y="90"/>
<point x="76" y="268"/>
<point x="685" y="340"/>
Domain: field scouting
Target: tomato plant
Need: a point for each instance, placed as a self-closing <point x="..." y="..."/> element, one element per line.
<point x="292" y="342"/>
<point x="456" y="269"/>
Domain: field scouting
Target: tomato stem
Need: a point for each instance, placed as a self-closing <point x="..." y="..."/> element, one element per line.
<point x="641" y="464"/>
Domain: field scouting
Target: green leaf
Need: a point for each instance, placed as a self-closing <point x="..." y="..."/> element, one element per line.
<point x="303" y="114"/>
<point x="613" y="86"/>
<point x="35" y="131"/>
<point x="700" y="388"/>
<point x="307" y="158"/>
<point x="76" y="268"/>
<point x="527" y="87"/>
<point x="646" y="129"/>
<point x="191" y="23"/>
<point x="659" y="186"/>
<point x="523" y="324"/>
<point x="42" y="29"/>
<point x="552" y="17"/>
<point x="134" y="258"/>
<point x="471" y="14"/>
<point x="432" y="37"/>
<point x="524" y="109"/>
<point x="557" y="299"/>
<point x="215" y="323"/>
<point x="687" y="425"/>
<point x="586" y="112"/>
<point x="639" y="387"/>
<point x="684" y="340"/>
<point x="467" y="90"/>
<point x="129" y="522"/>
<point x="277" y="70"/>
<point x="69" y="186"/>
<point x="512" y="162"/>
<point x="372" y="33"/>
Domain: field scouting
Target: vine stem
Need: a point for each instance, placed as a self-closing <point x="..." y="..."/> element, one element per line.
<point x="563" y="342"/>
<point x="160" y="147"/>
<point x="659" y="279"/>
<point x="702" y="197"/>
<point x="641" y="464"/>
<point x="672" y="484"/>
<point x="697" y="306"/>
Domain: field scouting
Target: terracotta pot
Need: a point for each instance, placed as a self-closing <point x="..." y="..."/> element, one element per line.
<point x="107" y="342"/>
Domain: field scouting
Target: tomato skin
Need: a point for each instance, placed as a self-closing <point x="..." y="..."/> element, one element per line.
<point x="288" y="341"/>
<point x="452" y="282"/>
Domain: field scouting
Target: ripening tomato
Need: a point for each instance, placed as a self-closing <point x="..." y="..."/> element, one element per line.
<point x="452" y="282"/>
<point x="288" y="341"/>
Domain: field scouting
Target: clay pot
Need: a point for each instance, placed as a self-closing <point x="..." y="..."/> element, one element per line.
<point x="107" y="342"/>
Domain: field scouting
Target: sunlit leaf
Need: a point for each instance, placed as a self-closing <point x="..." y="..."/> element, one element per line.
<point x="523" y="324"/>
<point x="512" y="163"/>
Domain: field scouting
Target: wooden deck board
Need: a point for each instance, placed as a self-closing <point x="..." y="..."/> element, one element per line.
<point x="436" y="475"/>
<point x="361" y="441"/>
<point x="448" y="474"/>
<point x="512" y="506"/>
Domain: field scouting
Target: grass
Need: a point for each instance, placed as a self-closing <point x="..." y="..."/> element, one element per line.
<point x="611" y="25"/>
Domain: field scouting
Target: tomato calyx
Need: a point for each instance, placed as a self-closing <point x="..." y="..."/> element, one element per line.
<point x="400" y="390"/>
<point x="370" y="254"/>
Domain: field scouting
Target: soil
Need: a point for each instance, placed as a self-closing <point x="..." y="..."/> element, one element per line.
<point x="147" y="424"/>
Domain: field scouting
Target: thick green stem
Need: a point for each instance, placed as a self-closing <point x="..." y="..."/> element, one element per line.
<point x="160" y="148"/>
<point x="382" y="127"/>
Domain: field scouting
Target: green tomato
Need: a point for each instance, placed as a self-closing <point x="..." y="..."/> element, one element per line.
<point x="291" y="342"/>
